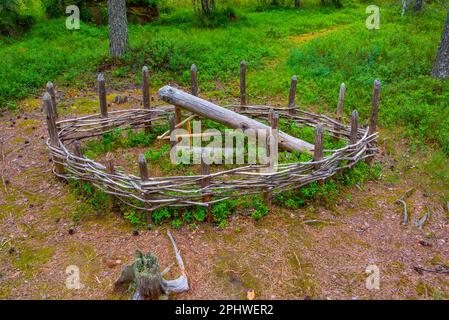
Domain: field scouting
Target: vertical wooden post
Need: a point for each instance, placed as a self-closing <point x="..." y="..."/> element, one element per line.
<point x="339" y="113"/>
<point x="171" y="122"/>
<point x="194" y="79"/>
<point x="51" y="91"/>
<point x="143" y="169"/>
<point x="109" y="163"/>
<point x="341" y="101"/>
<point x="77" y="151"/>
<point x="318" y="150"/>
<point x="52" y="131"/>
<point x="374" y="111"/>
<point x="272" y="145"/>
<point x="204" y="183"/>
<point x="291" y="96"/>
<point x="146" y="97"/>
<point x="374" y="107"/>
<point x="243" y="83"/>
<point x="354" y="127"/>
<point x="274" y="123"/>
<point x="102" y="95"/>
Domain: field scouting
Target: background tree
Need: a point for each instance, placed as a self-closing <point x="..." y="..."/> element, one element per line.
<point x="118" y="28"/>
<point x="441" y="66"/>
<point x="418" y="5"/>
<point x="204" y="7"/>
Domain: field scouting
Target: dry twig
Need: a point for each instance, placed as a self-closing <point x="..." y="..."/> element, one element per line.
<point x="402" y="201"/>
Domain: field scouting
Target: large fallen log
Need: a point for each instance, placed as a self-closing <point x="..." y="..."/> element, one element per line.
<point x="227" y="117"/>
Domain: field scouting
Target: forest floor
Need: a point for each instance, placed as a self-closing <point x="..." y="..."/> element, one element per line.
<point x="280" y="256"/>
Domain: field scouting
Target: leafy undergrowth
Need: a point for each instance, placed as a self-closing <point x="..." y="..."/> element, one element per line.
<point x="158" y="155"/>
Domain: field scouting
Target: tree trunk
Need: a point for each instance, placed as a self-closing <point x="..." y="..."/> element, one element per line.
<point x="418" y="5"/>
<point x="118" y="28"/>
<point x="441" y="67"/>
<point x="297" y="4"/>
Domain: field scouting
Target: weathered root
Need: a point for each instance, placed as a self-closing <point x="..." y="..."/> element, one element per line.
<point x="401" y="200"/>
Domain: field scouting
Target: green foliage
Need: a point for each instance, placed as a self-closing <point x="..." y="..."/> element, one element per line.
<point x="133" y="216"/>
<point x="13" y="22"/>
<point x="117" y="138"/>
<point x="260" y="209"/>
<point x="200" y="214"/>
<point x="160" y="215"/>
<point x="328" y="191"/>
<point x="221" y="211"/>
<point x="156" y="154"/>
<point x="176" y="223"/>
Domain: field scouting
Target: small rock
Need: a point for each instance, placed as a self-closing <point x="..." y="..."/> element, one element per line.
<point x="425" y="243"/>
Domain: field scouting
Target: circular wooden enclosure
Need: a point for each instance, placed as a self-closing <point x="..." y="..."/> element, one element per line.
<point x="200" y="189"/>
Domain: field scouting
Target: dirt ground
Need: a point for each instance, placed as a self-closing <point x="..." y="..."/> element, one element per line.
<point x="279" y="257"/>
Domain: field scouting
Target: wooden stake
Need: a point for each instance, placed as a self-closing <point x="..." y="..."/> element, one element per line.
<point x="109" y="163"/>
<point x="374" y="111"/>
<point x="102" y="95"/>
<point x="374" y="107"/>
<point x="171" y="122"/>
<point x="354" y="127"/>
<point x="77" y="151"/>
<point x="194" y="79"/>
<point x="204" y="183"/>
<point x="291" y="96"/>
<point x="52" y="131"/>
<point x="272" y="145"/>
<point x="318" y="151"/>
<point x="143" y="169"/>
<point x="243" y="83"/>
<point x="51" y="91"/>
<point x="341" y="101"/>
<point x="339" y="113"/>
<point x="146" y="97"/>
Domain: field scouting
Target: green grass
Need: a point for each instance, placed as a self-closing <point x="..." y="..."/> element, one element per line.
<point x="401" y="54"/>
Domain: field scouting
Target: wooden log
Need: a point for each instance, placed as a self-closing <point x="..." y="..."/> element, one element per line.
<point x="194" y="79"/>
<point x="146" y="97"/>
<point x="291" y="96"/>
<point x="318" y="151"/>
<point x="242" y="83"/>
<point x="204" y="183"/>
<point x="354" y="127"/>
<point x="52" y="131"/>
<point x="51" y="91"/>
<point x="374" y="111"/>
<point x="143" y="170"/>
<point x="102" y="95"/>
<point x="227" y="117"/>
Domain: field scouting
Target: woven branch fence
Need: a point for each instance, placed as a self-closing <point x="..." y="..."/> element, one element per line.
<point x="205" y="188"/>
